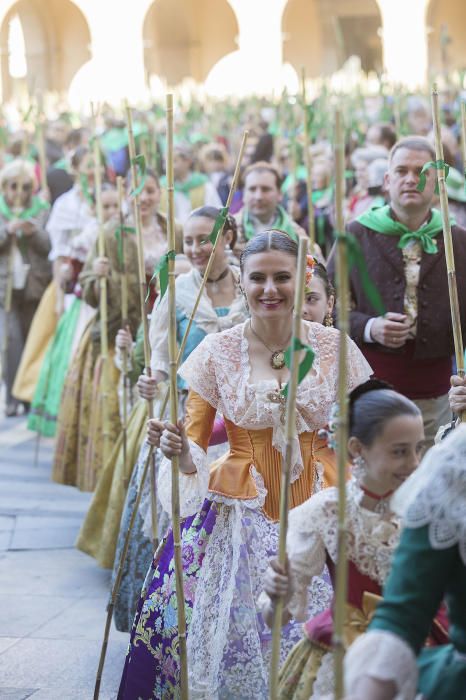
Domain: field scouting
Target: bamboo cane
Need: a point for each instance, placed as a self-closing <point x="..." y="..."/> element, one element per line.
<point x="176" y="528"/>
<point x="124" y="552"/>
<point x="125" y="325"/>
<point x="308" y="163"/>
<point x="103" y="298"/>
<point x="41" y="148"/>
<point x="290" y="430"/>
<point x="342" y="430"/>
<point x="448" y="242"/>
<point x="142" y="297"/>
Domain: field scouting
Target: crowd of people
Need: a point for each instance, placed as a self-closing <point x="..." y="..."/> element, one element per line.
<point x="404" y="626"/>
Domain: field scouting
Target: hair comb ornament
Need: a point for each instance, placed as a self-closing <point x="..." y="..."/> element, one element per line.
<point x="310" y="263"/>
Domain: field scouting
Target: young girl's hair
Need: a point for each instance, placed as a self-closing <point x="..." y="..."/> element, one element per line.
<point x="212" y="213"/>
<point x="371" y="405"/>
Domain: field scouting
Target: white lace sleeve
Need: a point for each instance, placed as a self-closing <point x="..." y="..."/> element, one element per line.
<point x="199" y="373"/>
<point x="359" y="370"/>
<point x="306" y="553"/>
<point x="384" y="656"/>
<point x="193" y="487"/>
<point x="158" y="337"/>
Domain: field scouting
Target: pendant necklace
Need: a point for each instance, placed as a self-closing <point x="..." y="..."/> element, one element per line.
<point x="277" y="360"/>
<point x="214" y="282"/>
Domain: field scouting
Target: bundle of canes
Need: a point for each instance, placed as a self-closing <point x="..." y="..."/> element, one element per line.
<point x="125" y="325"/>
<point x="124" y="551"/>
<point x="290" y="431"/>
<point x="308" y="164"/>
<point x="342" y="285"/>
<point x="447" y="237"/>
<point x="103" y="298"/>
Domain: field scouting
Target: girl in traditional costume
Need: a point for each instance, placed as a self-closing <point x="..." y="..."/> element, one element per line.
<point x="25" y="270"/>
<point x="386" y="440"/>
<point x="78" y="454"/>
<point x="230" y="508"/>
<point x="221" y="307"/>
<point x="429" y="565"/>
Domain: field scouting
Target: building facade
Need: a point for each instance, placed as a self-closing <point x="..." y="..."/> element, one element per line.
<point x="120" y="46"/>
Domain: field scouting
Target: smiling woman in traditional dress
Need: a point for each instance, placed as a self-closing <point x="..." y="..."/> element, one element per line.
<point x="230" y="510"/>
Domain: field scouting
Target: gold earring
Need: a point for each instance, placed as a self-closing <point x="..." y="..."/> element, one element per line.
<point x="328" y="320"/>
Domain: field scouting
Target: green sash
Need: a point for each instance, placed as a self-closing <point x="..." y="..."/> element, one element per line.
<point x="282" y="222"/>
<point x="379" y="219"/>
<point x="37" y="205"/>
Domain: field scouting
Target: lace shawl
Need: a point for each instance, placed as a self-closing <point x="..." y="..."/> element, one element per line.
<point x="313" y="532"/>
<point x="219" y="370"/>
<point x="435" y="495"/>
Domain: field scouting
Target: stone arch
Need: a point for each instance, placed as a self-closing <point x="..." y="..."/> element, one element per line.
<point x="322" y="34"/>
<point x="186" y="38"/>
<point x="57" y="41"/>
<point x="446" y="22"/>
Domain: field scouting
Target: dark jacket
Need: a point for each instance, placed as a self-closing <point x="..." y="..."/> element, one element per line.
<point x="34" y="251"/>
<point x="384" y="262"/>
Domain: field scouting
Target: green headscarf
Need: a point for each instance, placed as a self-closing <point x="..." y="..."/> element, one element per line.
<point x="379" y="219"/>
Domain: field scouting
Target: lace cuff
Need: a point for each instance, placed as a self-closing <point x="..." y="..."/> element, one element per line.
<point x="384" y="656"/>
<point x="193" y="487"/>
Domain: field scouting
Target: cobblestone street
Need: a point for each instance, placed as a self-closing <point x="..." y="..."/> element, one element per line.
<point x="53" y="597"/>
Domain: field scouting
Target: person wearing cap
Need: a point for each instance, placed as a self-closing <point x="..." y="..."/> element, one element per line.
<point x="411" y="345"/>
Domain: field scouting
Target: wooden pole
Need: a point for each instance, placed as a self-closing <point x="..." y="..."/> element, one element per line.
<point x="342" y="429"/>
<point x="41" y="147"/>
<point x="308" y="163"/>
<point x="290" y="428"/>
<point x="142" y="297"/>
<point x="448" y="242"/>
<point x="103" y="300"/>
<point x="125" y="548"/>
<point x="125" y="325"/>
<point x="172" y="352"/>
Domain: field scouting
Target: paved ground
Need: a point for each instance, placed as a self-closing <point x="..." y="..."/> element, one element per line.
<point x="52" y="597"/>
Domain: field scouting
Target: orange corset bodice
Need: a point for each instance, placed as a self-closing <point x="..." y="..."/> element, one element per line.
<point x="232" y="476"/>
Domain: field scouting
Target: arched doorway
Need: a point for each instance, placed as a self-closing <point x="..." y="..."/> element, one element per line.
<point x="322" y="34"/>
<point x="56" y="44"/>
<point x="186" y="38"/>
<point x="446" y="23"/>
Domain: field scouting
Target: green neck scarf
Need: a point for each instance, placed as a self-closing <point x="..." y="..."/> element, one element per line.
<point x="282" y="222"/>
<point x="37" y="205"/>
<point x="194" y="180"/>
<point x="379" y="219"/>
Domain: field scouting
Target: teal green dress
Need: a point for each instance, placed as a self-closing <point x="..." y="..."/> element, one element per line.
<point x="420" y="579"/>
<point x="47" y="396"/>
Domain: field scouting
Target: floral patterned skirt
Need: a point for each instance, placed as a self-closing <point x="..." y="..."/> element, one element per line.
<point x="225" y="551"/>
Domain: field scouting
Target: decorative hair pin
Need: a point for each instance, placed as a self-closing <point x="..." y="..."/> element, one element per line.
<point x="310" y="263"/>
